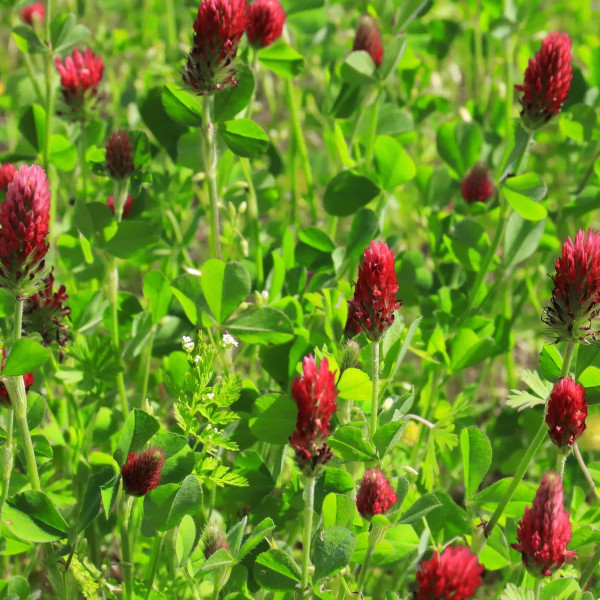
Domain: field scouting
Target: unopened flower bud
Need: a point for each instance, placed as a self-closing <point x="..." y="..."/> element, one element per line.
<point x="142" y="472"/>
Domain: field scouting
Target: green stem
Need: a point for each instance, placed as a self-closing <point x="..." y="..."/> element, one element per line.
<point x="585" y="470"/>
<point x="254" y="223"/>
<point x="171" y="25"/>
<point x="191" y="584"/>
<point x="301" y="145"/>
<point x="113" y="299"/>
<point x="590" y="569"/>
<point x="538" y="588"/>
<point x="372" y="131"/>
<point x="146" y="367"/>
<point x="126" y="563"/>
<point x="48" y="77"/>
<point x="156" y="551"/>
<point x="36" y="86"/>
<point x="7" y="458"/>
<point x="309" y="500"/>
<point x="82" y="147"/>
<point x="209" y="155"/>
<point x="561" y="459"/>
<point x="375" y="346"/>
<point x="363" y="570"/>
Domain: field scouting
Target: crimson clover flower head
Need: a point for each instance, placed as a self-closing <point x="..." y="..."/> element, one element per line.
<point x="477" y="185"/>
<point x="80" y="75"/>
<point x="33" y="11"/>
<point x="374" y="303"/>
<point x="266" y="19"/>
<point x="7" y="172"/>
<point x="110" y="202"/>
<point x="27" y="380"/>
<point x="24" y="219"/>
<point x="368" y="38"/>
<point x="455" y="574"/>
<point x="314" y="392"/>
<point x="547" y="81"/>
<point x="545" y="531"/>
<point x="142" y="472"/>
<point x="46" y="313"/>
<point x="572" y="313"/>
<point x="567" y="411"/>
<point x="375" y="495"/>
<point x="119" y="156"/>
<point x="218" y="29"/>
<point x="213" y="539"/>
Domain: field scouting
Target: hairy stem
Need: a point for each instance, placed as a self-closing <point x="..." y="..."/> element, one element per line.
<point x="309" y="501"/>
<point x="375" y="346"/>
<point x="126" y="563"/>
<point x="586" y="473"/>
<point x="209" y="155"/>
<point x="254" y="224"/>
<point x="154" y="560"/>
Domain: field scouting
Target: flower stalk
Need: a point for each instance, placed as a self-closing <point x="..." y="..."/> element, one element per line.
<point x="209" y="155"/>
<point x="309" y="501"/>
<point x="125" y="507"/>
<point x="375" y="351"/>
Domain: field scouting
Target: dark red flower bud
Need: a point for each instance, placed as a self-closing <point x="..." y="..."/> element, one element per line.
<point x="27" y="380"/>
<point x="572" y="313"/>
<point x="110" y="202"/>
<point x="33" y="11"/>
<point x="45" y="313"/>
<point x="266" y="19"/>
<point x="477" y="186"/>
<point x="453" y="575"/>
<point x="80" y="75"/>
<point x="547" y="81"/>
<point x="24" y="219"/>
<point x="218" y="29"/>
<point x="375" y="495"/>
<point x="314" y="392"/>
<point x="368" y="38"/>
<point x="141" y="474"/>
<point x="567" y="411"/>
<point x="213" y="539"/>
<point x="119" y="156"/>
<point x="545" y="531"/>
<point x="372" y="308"/>
<point x="7" y="172"/>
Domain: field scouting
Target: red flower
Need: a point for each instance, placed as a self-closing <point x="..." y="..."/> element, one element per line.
<point x="213" y="539"/>
<point x="314" y="392"/>
<point x="547" y="81"/>
<point x="567" y="410"/>
<point x="80" y="75"/>
<point x="545" y="531"/>
<point x="375" y="495"/>
<point x="24" y="218"/>
<point x="368" y="38"/>
<point x="110" y="202"/>
<point x="372" y="308"/>
<point x="119" y="155"/>
<point x="572" y="313"/>
<point x="33" y="11"/>
<point x="454" y="575"/>
<point x="27" y="380"/>
<point x="141" y="474"/>
<point x="218" y="29"/>
<point x="45" y="313"/>
<point x="477" y="185"/>
<point x="7" y="172"/>
<point x="266" y="19"/>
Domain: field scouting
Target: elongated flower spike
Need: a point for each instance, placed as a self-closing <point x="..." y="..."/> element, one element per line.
<point x="33" y="11"/>
<point x="375" y="495"/>
<point x="218" y="29"/>
<point x="374" y="303"/>
<point x="314" y="392"/>
<point x="80" y="75"/>
<point x="266" y="19"/>
<point x="24" y="219"/>
<point x="567" y="411"/>
<point x="477" y="185"/>
<point x="545" y="530"/>
<point x="455" y="574"/>
<point x="573" y="311"/>
<point x="368" y="38"/>
<point x="142" y="472"/>
<point x="27" y="380"/>
<point x="7" y="172"/>
<point x="119" y="155"/>
<point x="547" y="81"/>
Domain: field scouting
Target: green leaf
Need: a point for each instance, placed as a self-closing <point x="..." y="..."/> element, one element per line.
<point x="244" y="137"/>
<point x="459" y="144"/>
<point x="92" y="499"/>
<point x="348" y="442"/>
<point x="273" y="418"/>
<point x="394" y="50"/>
<point x="394" y="165"/>
<point x="468" y="349"/>
<point x="529" y="209"/>
<point x="266" y="325"/>
<point x="332" y="551"/>
<point x="561" y="589"/>
<point x="358" y="69"/>
<point x="36" y="410"/>
<point x="32" y="517"/>
<point x="347" y="192"/>
<point x="186" y="540"/>
<point x="26" y="356"/>
<point x="388" y="435"/>
<point x="132" y="237"/>
<point x="219" y="560"/>
<point x="166" y="506"/>
<point x="66" y="32"/>
<point x="316" y="238"/>
<point x="477" y="458"/>
<point x="355" y="385"/>
<point x="17" y="589"/>
<point x="282" y="59"/>
<point x="424" y="505"/>
<point x="224" y="285"/>
<point x="139" y="427"/>
<point x="157" y="290"/>
<point x="275" y="570"/>
<point x="181" y="106"/>
<point x="32" y="125"/>
<point x="63" y="153"/>
<point x="364" y="228"/>
<point x="263" y="529"/>
<point x="528" y="184"/>
<point x="27" y="40"/>
<point x="522" y="239"/>
<point x="232" y="99"/>
<point x="488" y="498"/>
<point x="338" y="509"/>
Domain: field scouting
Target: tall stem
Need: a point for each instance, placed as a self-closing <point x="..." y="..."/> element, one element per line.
<point x="363" y="570"/>
<point x="7" y="458"/>
<point x="309" y="501"/>
<point x="589" y="570"/>
<point x="372" y="131"/>
<point x="82" y="161"/>
<point x="585" y="470"/>
<point x="254" y="224"/>
<point x="146" y="367"/>
<point x="156" y="551"/>
<point x="375" y="392"/>
<point x="126" y="564"/>
<point x="561" y="459"/>
<point x="537" y="441"/>
<point x="209" y="155"/>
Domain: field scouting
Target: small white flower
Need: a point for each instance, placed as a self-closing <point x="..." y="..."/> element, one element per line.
<point x="197" y="358"/>
<point x="188" y="344"/>
<point x="265" y="294"/>
<point x="387" y="404"/>
<point x="210" y="397"/>
<point x="229" y="340"/>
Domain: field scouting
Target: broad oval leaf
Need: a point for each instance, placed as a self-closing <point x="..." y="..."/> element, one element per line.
<point x="25" y="356"/>
<point x="276" y="570"/>
<point x="347" y="192"/>
<point x="244" y="137"/>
